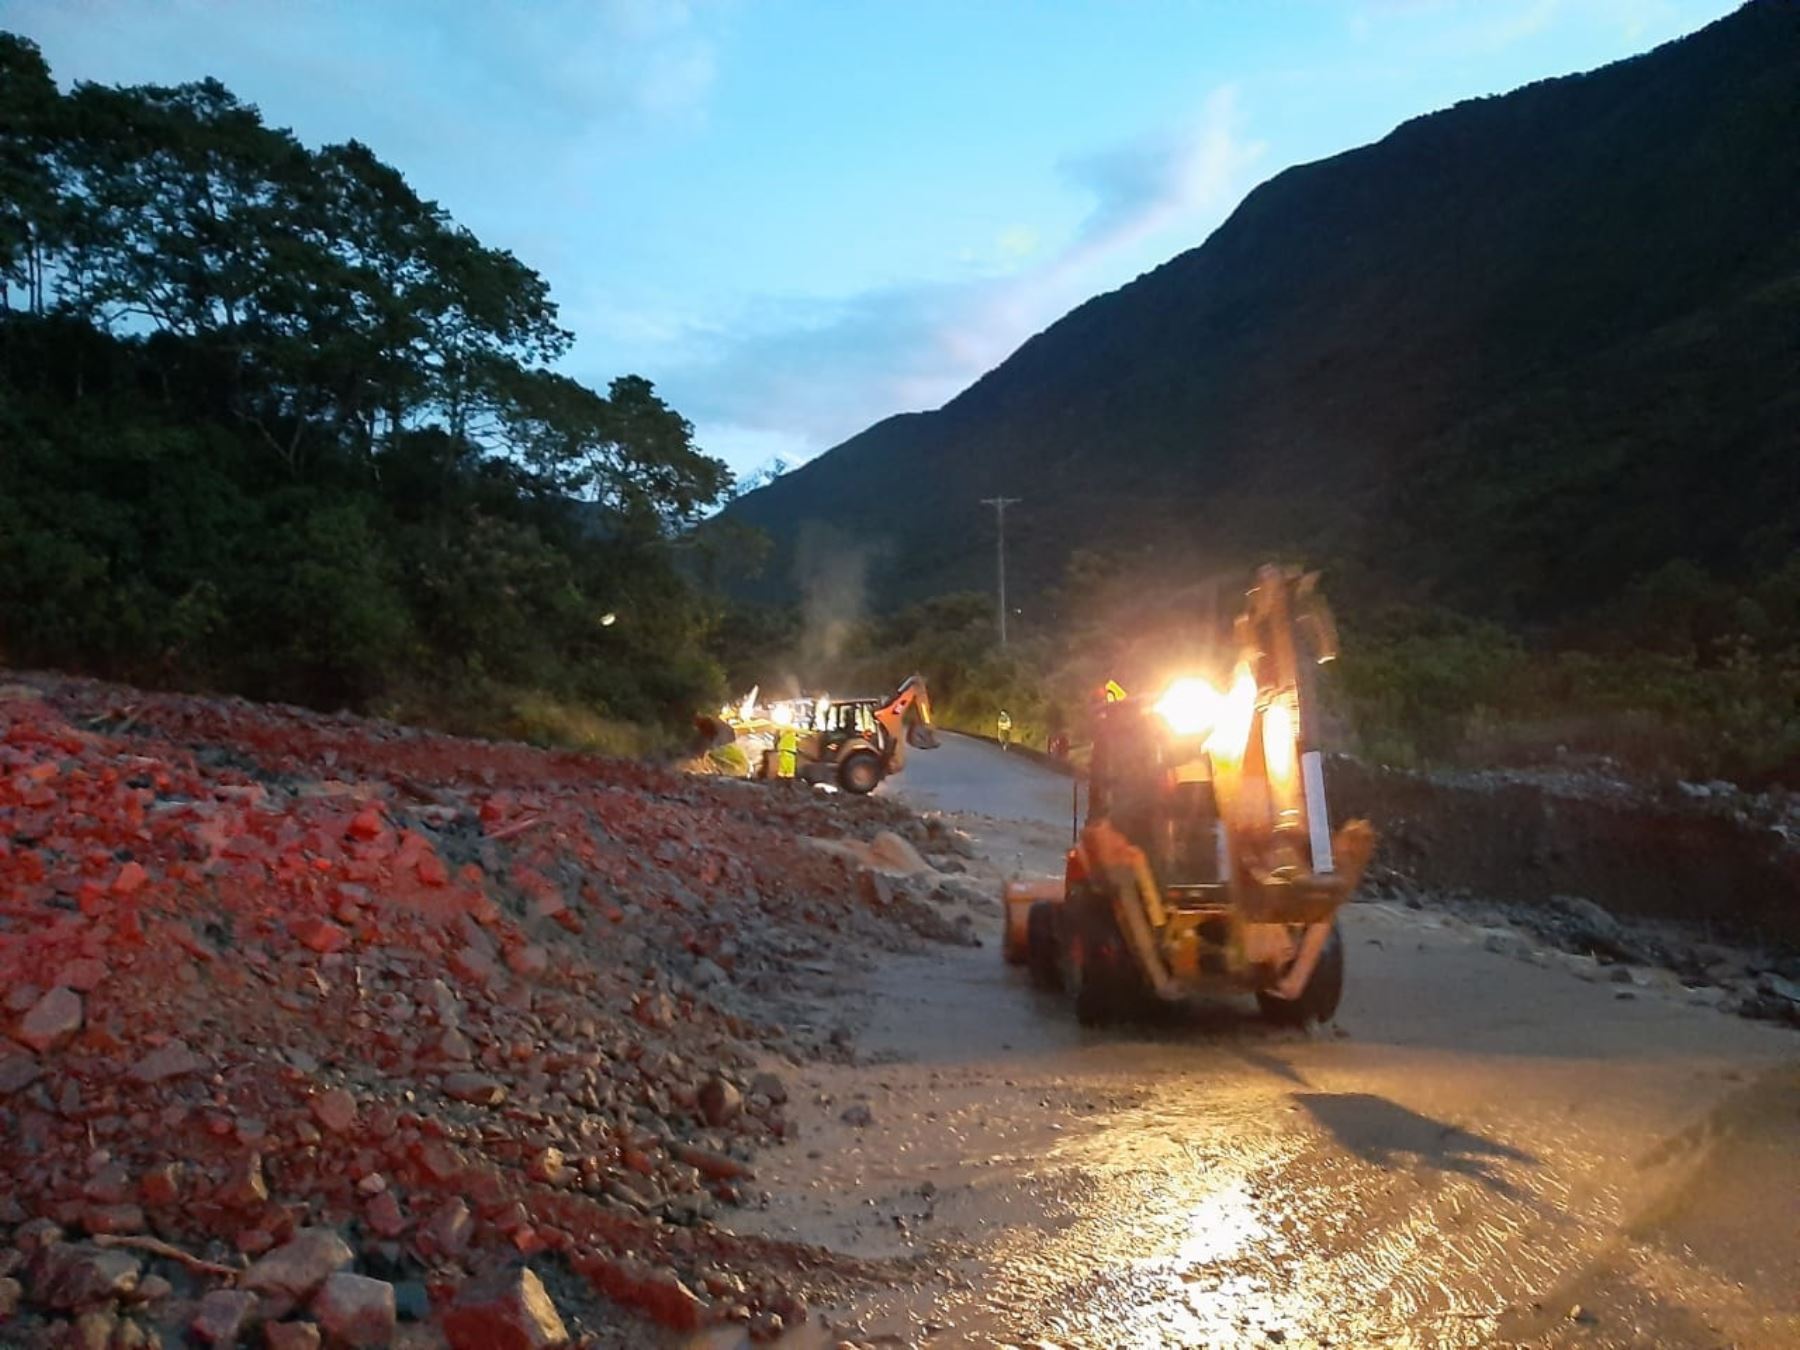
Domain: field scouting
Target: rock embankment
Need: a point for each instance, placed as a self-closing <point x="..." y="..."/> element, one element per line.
<point x="316" y="1030"/>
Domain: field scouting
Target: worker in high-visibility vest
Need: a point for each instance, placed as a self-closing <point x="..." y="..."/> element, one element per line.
<point x="1005" y="724"/>
<point x="787" y="752"/>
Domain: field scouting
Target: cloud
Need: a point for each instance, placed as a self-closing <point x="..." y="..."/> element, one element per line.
<point x="815" y="371"/>
<point x="1017" y="241"/>
<point x="477" y="91"/>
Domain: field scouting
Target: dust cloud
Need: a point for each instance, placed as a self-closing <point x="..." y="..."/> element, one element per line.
<point x="831" y="570"/>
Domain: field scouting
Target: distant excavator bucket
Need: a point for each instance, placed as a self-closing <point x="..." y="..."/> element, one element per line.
<point x="712" y="733"/>
<point x="921" y="736"/>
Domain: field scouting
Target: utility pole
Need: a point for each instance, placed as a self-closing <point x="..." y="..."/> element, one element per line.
<point x="1000" y="504"/>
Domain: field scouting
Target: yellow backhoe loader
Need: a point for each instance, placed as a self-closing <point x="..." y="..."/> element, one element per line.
<point x="855" y="743"/>
<point x="1206" y="861"/>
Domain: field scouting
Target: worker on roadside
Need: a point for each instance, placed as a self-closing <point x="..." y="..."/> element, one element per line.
<point x="787" y="752"/>
<point x="1005" y="724"/>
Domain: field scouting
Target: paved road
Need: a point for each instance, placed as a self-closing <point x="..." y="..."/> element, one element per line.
<point x="1487" y="1148"/>
<point x="977" y="777"/>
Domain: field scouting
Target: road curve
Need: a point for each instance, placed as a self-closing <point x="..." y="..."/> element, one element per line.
<point x="1494" y="1144"/>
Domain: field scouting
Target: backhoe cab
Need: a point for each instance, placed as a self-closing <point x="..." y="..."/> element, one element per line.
<point x="1206" y="860"/>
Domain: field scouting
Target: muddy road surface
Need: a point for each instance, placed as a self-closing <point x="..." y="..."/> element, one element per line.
<point x="1494" y="1144"/>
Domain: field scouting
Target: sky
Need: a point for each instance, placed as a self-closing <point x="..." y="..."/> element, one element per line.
<point x="798" y="217"/>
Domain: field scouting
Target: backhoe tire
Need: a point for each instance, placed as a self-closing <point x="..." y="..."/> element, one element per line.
<point x="1318" y="1002"/>
<point x="1104" y="994"/>
<point x="1041" y="955"/>
<point x="1103" y="978"/>
<point x="860" y="772"/>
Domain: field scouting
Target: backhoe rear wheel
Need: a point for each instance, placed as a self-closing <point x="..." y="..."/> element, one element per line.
<point x="1318" y="1002"/>
<point x="1040" y="946"/>
<point x="1100" y="971"/>
<point x="860" y="772"/>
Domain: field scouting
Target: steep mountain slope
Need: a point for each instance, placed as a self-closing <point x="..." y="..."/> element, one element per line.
<point x="1511" y="355"/>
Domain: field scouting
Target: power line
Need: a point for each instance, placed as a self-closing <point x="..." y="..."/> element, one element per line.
<point x="1000" y="504"/>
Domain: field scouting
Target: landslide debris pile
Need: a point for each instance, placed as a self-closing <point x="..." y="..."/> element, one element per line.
<point x="319" y="1029"/>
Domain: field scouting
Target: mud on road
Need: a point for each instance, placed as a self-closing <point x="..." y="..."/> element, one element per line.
<point x="1496" y="1143"/>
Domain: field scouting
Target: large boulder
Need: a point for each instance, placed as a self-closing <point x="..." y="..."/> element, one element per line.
<point x="300" y="1265"/>
<point x="506" y="1310"/>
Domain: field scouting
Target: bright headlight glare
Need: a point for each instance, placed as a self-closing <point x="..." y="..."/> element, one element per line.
<point x="1278" y="741"/>
<point x="1190" y="706"/>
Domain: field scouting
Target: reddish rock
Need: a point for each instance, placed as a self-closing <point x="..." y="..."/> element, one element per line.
<point x="244" y="1187"/>
<point x="114" y="1219"/>
<point x="299" y="1266"/>
<point x="656" y="1011"/>
<point x="130" y="879"/>
<point x="223" y="1316"/>
<point x="37" y="1235"/>
<point x="385" y="1216"/>
<point x="111" y="1185"/>
<point x="93" y="1331"/>
<point x="719" y="1102"/>
<point x="161" y="1185"/>
<point x="17" y="1072"/>
<point x="507" y="1310"/>
<point x="356" y="1311"/>
<point x="253" y="1241"/>
<point x="666" y="1299"/>
<point x="10" y="1293"/>
<point x="474" y="1087"/>
<point x="440" y="1161"/>
<point x="51" y="1022"/>
<point x="474" y="965"/>
<point x="528" y="960"/>
<point x="84" y="975"/>
<point x="291" y="1336"/>
<point x="448" y="1229"/>
<point x="322" y="935"/>
<point x="715" y="1165"/>
<point x="173" y="1060"/>
<point x="75" y="1276"/>
<point x="548" y="1165"/>
<point x="367" y="825"/>
<point x="335" y="1110"/>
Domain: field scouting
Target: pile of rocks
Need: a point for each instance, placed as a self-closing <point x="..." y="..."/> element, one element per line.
<point x="317" y="1030"/>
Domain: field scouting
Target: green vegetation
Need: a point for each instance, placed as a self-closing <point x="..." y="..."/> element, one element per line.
<point x="1685" y="675"/>
<point x="272" y="423"/>
<point x="1689" y="676"/>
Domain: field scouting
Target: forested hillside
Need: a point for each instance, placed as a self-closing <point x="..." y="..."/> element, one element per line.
<point x="1512" y="358"/>
<point x="272" y="423"/>
<point x="1523" y="379"/>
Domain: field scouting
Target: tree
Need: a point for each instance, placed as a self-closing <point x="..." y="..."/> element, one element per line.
<point x="30" y="108"/>
<point x="273" y="421"/>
